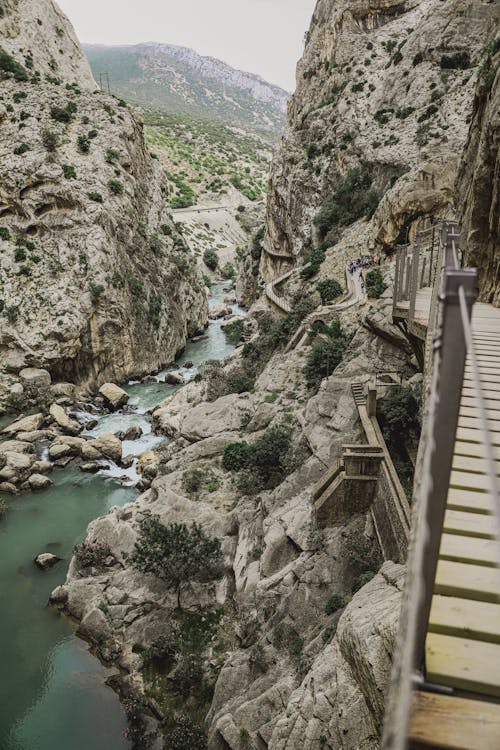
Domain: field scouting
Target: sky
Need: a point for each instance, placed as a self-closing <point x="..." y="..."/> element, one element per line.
<point x="258" y="36"/>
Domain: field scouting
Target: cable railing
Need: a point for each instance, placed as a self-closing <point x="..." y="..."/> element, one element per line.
<point x="434" y="263"/>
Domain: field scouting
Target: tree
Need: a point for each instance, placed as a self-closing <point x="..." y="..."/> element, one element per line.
<point x="176" y="553"/>
<point x="375" y="283"/>
<point x="211" y="259"/>
<point x="329" y="289"/>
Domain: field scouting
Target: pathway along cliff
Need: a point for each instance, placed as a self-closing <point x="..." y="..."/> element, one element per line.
<point x="57" y="695"/>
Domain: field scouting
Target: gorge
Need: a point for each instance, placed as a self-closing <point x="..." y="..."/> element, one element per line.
<point x="285" y="639"/>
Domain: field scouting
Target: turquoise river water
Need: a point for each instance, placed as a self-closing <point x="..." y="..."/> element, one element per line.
<point x="53" y="692"/>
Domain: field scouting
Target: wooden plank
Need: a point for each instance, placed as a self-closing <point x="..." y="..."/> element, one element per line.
<point x="475" y="424"/>
<point x="467" y="500"/>
<point x="467" y="480"/>
<point x="469" y="524"/>
<point x="474" y="464"/>
<point x="472" y="403"/>
<point x="473" y="411"/>
<point x="475" y="435"/>
<point x="450" y="723"/>
<point x="470" y="549"/>
<point x="465" y="618"/>
<point x="461" y="663"/>
<point x="492" y="391"/>
<point x="466" y="448"/>
<point x="467" y="581"/>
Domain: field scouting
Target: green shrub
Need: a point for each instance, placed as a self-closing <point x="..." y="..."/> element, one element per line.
<point x="227" y="271"/>
<point x="187" y="675"/>
<point x="69" y="171"/>
<point x="12" y="313"/>
<point x="185" y="736"/>
<point x="335" y="603"/>
<point x="352" y="199"/>
<point x="19" y="96"/>
<point x="9" y="65"/>
<point x="155" y="244"/>
<point x="263" y="462"/>
<point x="95" y="291"/>
<point x="375" y="285"/>
<point x="112" y="155"/>
<point x="329" y="289"/>
<point x="21" y="149"/>
<point x="177" y="553"/>
<point x="192" y="480"/>
<point x="458" y="60"/>
<point x="234" y="331"/>
<point x="325" y="355"/>
<point x="96" y="197"/>
<point x="211" y="259"/>
<point x="4" y="233"/>
<point x="92" y="134"/>
<point x="50" y="139"/>
<point x="83" y="142"/>
<point x="115" y="187"/>
<point x="166" y="230"/>
<point x="19" y="254"/>
<point x="418" y="58"/>
<point x="431" y="110"/>
<point x="62" y="114"/>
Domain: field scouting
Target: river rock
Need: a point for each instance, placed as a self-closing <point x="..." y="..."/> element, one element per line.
<point x="46" y="560"/>
<point x="63" y="461"/>
<point x="36" y="377"/>
<point x="149" y="379"/>
<point x="218" y="310"/>
<point x="95" y="625"/>
<point x="89" y="452"/>
<point x="108" y="445"/>
<point x="67" y="425"/>
<point x="17" y="446"/>
<point x="146" y="461"/>
<point x="114" y="395"/>
<point x="59" y="596"/>
<point x="92" y="467"/>
<point x="17" y="389"/>
<point x="127" y="461"/>
<point x="36" y="435"/>
<point x="39" y="482"/>
<point x="188" y="364"/>
<point x="59" y="450"/>
<point x="63" y="390"/>
<point x="133" y="433"/>
<point x="8" y="488"/>
<point x="174" y="378"/>
<point x="26" y="424"/>
<point x="42" y="467"/>
<point x="74" y="443"/>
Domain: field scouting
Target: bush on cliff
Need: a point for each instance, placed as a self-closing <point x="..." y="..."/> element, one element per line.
<point x="263" y="464"/>
<point x="375" y="285"/>
<point x="353" y="198"/>
<point x="329" y="289"/>
<point x="177" y="553"/>
<point x="326" y="353"/>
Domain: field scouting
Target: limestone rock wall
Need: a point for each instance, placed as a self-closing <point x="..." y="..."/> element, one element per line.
<point x="95" y="281"/>
<point x="371" y="87"/>
<point x="478" y="184"/>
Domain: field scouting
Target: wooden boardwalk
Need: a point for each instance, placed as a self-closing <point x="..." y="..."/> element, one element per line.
<point x="463" y="638"/>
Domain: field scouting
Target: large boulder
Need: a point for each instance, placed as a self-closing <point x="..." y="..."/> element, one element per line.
<point x="39" y="482"/>
<point x="35" y="377"/>
<point x="46" y="560"/>
<point x="108" y="445"/>
<point x="174" y="378"/>
<point x="26" y="424"/>
<point x="114" y="395"/>
<point x="8" y="488"/>
<point x="59" y="450"/>
<point x="67" y="425"/>
<point x="218" y="310"/>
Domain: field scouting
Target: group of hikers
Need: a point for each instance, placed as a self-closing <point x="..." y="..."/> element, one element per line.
<point x="365" y="261"/>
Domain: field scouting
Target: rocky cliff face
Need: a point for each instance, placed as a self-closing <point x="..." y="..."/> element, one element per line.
<point x="388" y="85"/>
<point x="478" y="185"/>
<point x="96" y="283"/>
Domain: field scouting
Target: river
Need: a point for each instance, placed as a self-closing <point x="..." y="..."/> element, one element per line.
<point x="53" y="692"/>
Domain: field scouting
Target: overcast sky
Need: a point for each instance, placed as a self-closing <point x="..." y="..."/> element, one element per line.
<point x="259" y="36"/>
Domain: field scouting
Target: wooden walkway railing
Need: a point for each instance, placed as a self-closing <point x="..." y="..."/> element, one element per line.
<point x="447" y="664"/>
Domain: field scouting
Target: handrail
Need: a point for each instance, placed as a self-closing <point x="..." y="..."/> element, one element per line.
<point x="449" y="350"/>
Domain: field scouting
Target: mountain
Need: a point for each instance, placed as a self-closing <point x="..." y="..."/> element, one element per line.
<point x="178" y="79"/>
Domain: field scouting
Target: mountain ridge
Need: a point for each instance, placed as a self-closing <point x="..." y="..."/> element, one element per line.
<point x="179" y="79"/>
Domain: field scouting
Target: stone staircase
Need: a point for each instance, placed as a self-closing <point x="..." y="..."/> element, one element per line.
<point x="358" y="394"/>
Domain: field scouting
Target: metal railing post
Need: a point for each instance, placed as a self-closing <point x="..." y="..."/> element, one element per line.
<point x="414" y="279"/>
<point x="395" y="298"/>
<point x="449" y="354"/>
